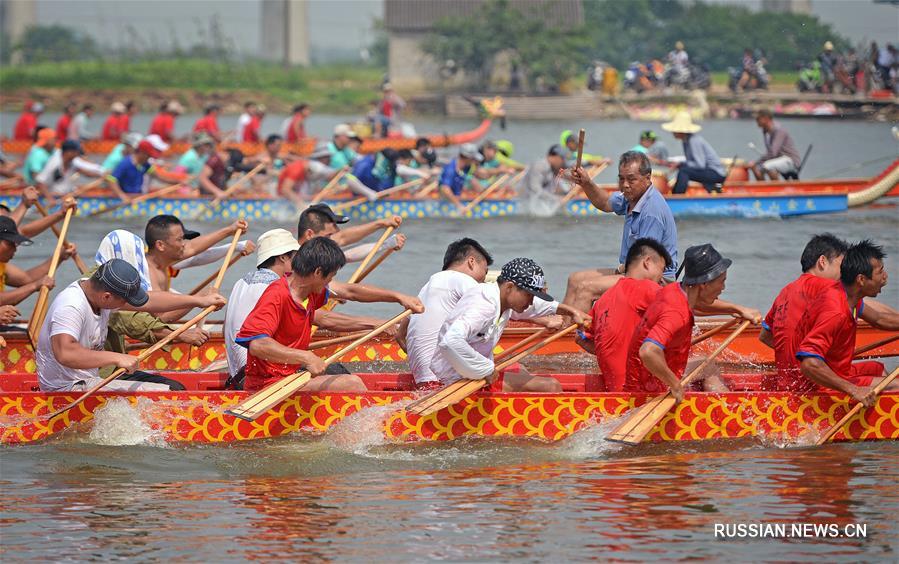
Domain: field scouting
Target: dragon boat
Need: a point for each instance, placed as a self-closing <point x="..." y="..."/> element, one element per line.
<point x="197" y="415"/>
<point x="760" y="199"/>
<point x="18" y="356"/>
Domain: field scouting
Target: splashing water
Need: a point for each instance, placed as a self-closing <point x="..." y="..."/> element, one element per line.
<point x="121" y="423"/>
<point x="590" y="442"/>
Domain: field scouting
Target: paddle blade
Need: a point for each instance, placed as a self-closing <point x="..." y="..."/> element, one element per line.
<point x="643" y="421"/>
<point x="254" y="406"/>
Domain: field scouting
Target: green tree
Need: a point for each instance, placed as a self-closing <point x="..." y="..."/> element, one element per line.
<point x="46" y="43"/>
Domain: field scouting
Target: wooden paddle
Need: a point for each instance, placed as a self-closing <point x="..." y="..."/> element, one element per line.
<point x="143" y="197"/>
<point x="876" y="345"/>
<point x="270" y="396"/>
<point x="76" y="257"/>
<point x="483" y="195"/>
<point x="40" y="308"/>
<point x="461" y="389"/>
<point x="214" y="275"/>
<point x="87" y="187"/>
<point x="162" y="342"/>
<point x="647" y="416"/>
<point x="580" y="147"/>
<point x="426" y="191"/>
<point x="376" y="263"/>
<point x="577" y="189"/>
<point x="336" y="340"/>
<point x="714" y="331"/>
<point x="330" y="186"/>
<point x="858" y="407"/>
<point x="209" y="207"/>
<point x="362" y="265"/>
<point x="382" y="194"/>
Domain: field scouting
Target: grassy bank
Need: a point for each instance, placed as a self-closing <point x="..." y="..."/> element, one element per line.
<point x="331" y="88"/>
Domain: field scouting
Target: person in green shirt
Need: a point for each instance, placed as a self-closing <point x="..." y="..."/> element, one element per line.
<point x="193" y="160"/>
<point x="125" y="148"/>
<point x="568" y="140"/>
<point x="342" y="155"/>
<point x="39" y="154"/>
<point x="504" y="151"/>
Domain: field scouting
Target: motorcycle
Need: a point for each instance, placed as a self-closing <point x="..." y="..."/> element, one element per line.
<point x="758" y="78"/>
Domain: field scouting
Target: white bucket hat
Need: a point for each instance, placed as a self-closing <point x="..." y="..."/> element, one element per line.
<point x="682" y="123"/>
<point x="274" y="243"/>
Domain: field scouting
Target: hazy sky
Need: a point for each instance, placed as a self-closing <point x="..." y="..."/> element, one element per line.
<point x="335" y="24"/>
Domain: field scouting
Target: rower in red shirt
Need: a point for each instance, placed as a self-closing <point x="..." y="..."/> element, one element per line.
<point x="209" y="123"/>
<point x="660" y="346"/>
<point x="827" y="330"/>
<point x="296" y="128"/>
<point x="27" y="122"/>
<point x="163" y="124"/>
<point x="278" y="330"/>
<point x="821" y="260"/>
<point x="251" y="131"/>
<point x="112" y="127"/>
<point x="62" y="124"/>
<point x="618" y="311"/>
<point x="125" y="118"/>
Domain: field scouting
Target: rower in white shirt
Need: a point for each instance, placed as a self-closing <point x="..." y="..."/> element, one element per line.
<point x="467" y="338"/>
<point x="58" y="176"/>
<point x="465" y="266"/>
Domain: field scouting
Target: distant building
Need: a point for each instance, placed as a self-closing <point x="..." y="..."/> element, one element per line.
<point x="284" y="35"/>
<point x="15" y="18"/>
<point x="788" y="6"/>
<point x="408" y="22"/>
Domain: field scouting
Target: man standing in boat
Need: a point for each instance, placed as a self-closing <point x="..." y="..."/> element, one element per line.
<point x="468" y="336"/>
<point x="70" y="346"/>
<point x="278" y="330"/>
<point x="646" y="216"/>
<point x="821" y="260"/>
<point x="660" y="345"/>
<point x="781" y="157"/>
<point x="826" y="332"/>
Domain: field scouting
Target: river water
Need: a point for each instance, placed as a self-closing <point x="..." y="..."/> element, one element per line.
<point x="118" y="492"/>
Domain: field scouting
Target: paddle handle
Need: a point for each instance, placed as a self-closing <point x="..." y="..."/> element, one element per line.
<point x="483" y="195"/>
<point x="724" y="344"/>
<point x="213" y="276"/>
<point x="536" y="346"/>
<point x="375" y="264"/>
<point x="370" y="335"/>
<point x="580" y="147"/>
<point x="714" y="331"/>
<point x="329" y="186"/>
<point x="858" y="407"/>
<point x="143" y="197"/>
<point x="518" y="346"/>
<point x="40" y="308"/>
<point x="336" y="340"/>
<point x="76" y="257"/>
<point x="871" y="346"/>
<point x="240" y="182"/>
<point x="221" y="276"/>
<point x="361" y="268"/>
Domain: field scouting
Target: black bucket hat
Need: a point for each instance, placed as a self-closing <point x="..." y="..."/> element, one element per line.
<point x="702" y="263"/>
<point x="10" y="232"/>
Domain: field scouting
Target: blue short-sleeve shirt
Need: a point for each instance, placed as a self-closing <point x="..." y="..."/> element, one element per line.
<point x="453" y="178"/>
<point x="130" y="177"/>
<point x="651" y="217"/>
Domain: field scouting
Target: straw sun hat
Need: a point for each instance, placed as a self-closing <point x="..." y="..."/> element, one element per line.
<point x="682" y="123"/>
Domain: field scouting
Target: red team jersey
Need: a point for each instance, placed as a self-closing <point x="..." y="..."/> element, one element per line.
<point x="615" y="315"/>
<point x="164" y="126"/>
<point x="112" y="128"/>
<point x="62" y="127"/>
<point x="668" y="322"/>
<point x="279" y="316"/>
<point x="24" y="128"/>
<point x="827" y="331"/>
<point x="209" y="124"/>
<point x="251" y="131"/>
<point x="782" y="322"/>
<point x="292" y="136"/>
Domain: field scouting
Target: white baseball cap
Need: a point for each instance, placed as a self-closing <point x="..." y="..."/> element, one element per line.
<point x="344" y="129"/>
<point x="274" y="243"/>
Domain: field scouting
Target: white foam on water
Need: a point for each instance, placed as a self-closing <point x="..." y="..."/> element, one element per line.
<point x="121" y="423"/>
<point x="590" y="442"/>
<point x="362" y="431"/>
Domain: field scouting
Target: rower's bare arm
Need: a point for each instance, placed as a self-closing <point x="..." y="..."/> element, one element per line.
<point x="577" y="316"/>
<point x="30" y="196"/>
<point x="880" y="315"/>
<point x="205" y="182"/>
<point x="271" y="350"/>
<point x="203" y="242"/>
<point x="113" y="183"/>
<point x="162" y="302"/>
<point x="721" y="307"/>
<point x="367" y="294"/>
<point x="69" y="352"/>
<point x="13" y="297"/>
<point x="653" y="357"/>
<point x="597" y="196"/>
<point x="355" y="234"/>
<point x="766" y="337"/>
<point x="448" y="194"/>
<point x="818" y="372"/>
<point x="334" y="321"/>
<point x="43" y="223"/>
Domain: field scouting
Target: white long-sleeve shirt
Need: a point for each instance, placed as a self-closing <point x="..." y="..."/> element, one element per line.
<point x="469" y="335"/>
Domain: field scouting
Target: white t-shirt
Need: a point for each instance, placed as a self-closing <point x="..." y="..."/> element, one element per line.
<point x="242" y="122"/>
<point x="439" y="296"/>
<point x="470" y="333"/>
<point x="69" y="314"/>
<point x="60" y="181"/>
<point x="241" y="302"/>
